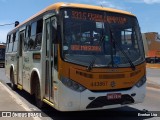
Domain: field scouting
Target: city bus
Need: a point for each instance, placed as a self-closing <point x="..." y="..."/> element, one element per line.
<point x="77" y="57"/>
<point x="2" y="55"/>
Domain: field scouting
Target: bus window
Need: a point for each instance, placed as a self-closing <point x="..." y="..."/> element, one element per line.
<point x="15" y="42"/>
<point x="10" y="44"/>
<point x="7" y="43"/>
<point x="38" y="39"/>
<point x="22" y="36"/>
<point x="54" y="39"/>
<point x="28" y="33"/>
<point x="33" y="35"/>
<point x="34" y="42"/>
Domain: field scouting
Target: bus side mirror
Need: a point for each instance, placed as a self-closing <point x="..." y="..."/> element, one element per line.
<point x="16" y="23"/>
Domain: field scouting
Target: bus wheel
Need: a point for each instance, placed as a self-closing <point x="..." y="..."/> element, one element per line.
<point x="39" y="102"/>
<point x="13" y="86"/>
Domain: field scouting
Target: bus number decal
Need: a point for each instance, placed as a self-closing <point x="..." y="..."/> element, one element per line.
<point x="99" y="84"/>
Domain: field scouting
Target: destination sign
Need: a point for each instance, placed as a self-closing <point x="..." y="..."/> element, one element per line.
<point x="97" y="17"/>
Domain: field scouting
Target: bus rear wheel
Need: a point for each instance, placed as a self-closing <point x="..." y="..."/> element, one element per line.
<point x="39" y="102"/>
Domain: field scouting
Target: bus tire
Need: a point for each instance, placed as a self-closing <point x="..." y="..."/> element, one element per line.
<point x="13" y="86"/>
<point x="39" y="102"/>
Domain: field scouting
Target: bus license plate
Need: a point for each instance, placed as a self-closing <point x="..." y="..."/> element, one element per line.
<point x="114" y="96"/>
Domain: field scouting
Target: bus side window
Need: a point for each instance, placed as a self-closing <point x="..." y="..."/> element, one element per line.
<point x="20" y="43"/>
<point x="15" y="41"/>
<point x="35" y="39"/>
<point x="10" y="45"/>
<point x="27" y="37"/>
<point x="54" y="40"/>
<point x="7" y="42"/>
<point x="31" y="41"/>
<point x="38" y="39"/>
<point x="56" y="56"/>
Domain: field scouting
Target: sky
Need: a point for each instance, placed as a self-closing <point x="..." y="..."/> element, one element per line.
<point x="147" y="11"/>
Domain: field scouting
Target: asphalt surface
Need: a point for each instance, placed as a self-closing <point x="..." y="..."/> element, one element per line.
<point x="153" y="78"/>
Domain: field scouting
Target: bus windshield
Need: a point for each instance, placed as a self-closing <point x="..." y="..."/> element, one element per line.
<point x="110" y="39"/>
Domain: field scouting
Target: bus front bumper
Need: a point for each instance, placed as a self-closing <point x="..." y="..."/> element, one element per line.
<point x="70" y="100"/>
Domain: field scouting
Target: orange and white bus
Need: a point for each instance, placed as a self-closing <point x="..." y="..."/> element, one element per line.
<point x="2" y="55"/>
<point x="78" y="57"/>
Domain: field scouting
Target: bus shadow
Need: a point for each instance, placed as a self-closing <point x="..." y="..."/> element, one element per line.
<point x="124" y="113"/>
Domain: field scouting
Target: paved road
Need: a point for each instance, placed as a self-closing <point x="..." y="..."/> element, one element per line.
<point x="153" y="73"/>
<point x="152" y="100"/>
<point x="151" y="103"/>
<point x="2" y="76"/>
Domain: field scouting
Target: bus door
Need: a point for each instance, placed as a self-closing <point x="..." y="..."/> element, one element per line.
<point x="20" y="57"/>
<point x="49" y="64"/>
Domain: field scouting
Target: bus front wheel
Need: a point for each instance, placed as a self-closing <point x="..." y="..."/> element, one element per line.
<point x="39" y="102"/>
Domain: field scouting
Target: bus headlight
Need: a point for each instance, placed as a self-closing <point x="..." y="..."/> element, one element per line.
<point x="141" y="81"/>
<point x="72" y="85"/>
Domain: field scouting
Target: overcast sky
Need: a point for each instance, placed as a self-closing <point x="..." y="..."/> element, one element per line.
<point x="147" y="11"/>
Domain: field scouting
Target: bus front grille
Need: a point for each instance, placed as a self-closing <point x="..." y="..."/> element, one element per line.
<point x="111" y="76"/>
<point x="101" y="76"/>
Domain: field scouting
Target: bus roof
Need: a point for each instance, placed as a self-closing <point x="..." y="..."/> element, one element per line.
<point x="59" y="5"/>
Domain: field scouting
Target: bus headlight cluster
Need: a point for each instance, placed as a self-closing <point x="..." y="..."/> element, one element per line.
<point x="72" y="85"/>
<point x="141" y="81"/>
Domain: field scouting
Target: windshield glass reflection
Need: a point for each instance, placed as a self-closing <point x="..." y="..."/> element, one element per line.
<point x="83" y="33"/>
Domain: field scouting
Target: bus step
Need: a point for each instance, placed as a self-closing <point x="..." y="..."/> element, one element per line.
<point x="19" y="87"/>
<point x="48" y="102"/>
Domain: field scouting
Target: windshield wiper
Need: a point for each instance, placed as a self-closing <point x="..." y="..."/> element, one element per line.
<point x="124" y="53"/>
<point x="90" y="66"/>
